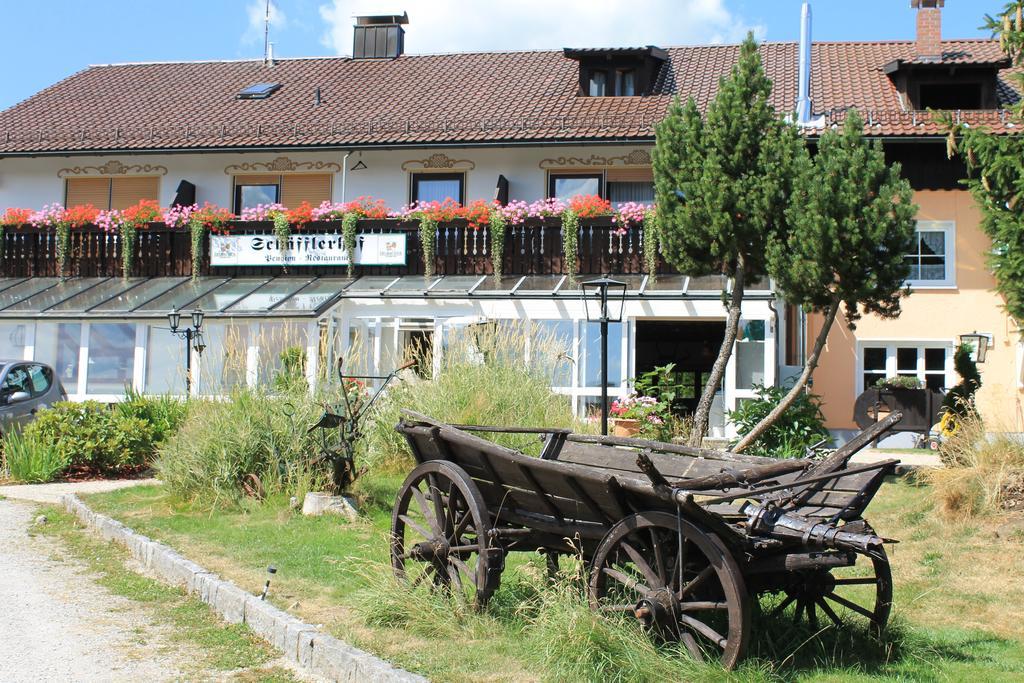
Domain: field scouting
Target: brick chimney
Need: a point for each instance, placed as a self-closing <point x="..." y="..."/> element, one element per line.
<point x="929" y="28"/>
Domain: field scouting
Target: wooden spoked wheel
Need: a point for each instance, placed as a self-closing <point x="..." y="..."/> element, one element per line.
<point x="680" y="581"/>
<point x="820" y="597"/>
<point x="439" y="534"/>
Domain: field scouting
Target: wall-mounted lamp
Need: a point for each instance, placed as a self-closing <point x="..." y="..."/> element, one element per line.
<point x="979" y="343"/>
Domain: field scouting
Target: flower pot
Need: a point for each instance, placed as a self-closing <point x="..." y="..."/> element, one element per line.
<point x="624" y="427"/>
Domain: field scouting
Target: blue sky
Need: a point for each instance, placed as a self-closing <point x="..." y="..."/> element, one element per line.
<point x="44" y="41"/>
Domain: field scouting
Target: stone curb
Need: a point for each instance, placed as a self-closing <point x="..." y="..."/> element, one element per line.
<point x="302" y="643"/>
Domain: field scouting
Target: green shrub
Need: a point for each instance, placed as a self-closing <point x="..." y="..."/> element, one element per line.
<point x="801" y="426"/>
<point x="899" y="382"/>
<point x="253" y="439"/>
<point x="164" y="414"/>
<point x="30" y="461"/>
<point x="91" y="435"/>
<point x="482" y="380"/>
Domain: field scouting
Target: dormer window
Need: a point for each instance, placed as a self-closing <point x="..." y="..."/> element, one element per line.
<point x="625" y="82"/>
<point x="618" y="72"/>
<point x="949" y="96"/>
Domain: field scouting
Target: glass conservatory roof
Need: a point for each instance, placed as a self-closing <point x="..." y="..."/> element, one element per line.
<point x="303" y="296"/>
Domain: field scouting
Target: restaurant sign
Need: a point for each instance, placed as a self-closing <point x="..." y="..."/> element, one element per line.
<point x="372" y="249"/>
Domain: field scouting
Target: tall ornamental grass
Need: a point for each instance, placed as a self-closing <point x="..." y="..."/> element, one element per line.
<point x="29" y="461"/>
<point x="252" y="443"/>
<point x="484" y="378"/>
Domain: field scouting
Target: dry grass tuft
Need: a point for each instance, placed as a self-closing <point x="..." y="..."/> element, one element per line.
<point x="983" y="473"/>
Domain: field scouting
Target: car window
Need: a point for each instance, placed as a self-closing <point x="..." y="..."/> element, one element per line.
<point x="17" y="380"/>
<point x="41" y="377"/>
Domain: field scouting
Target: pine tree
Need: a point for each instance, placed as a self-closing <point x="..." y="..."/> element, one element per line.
<point x="721" y="186"/>
<point x="851" y="222"/>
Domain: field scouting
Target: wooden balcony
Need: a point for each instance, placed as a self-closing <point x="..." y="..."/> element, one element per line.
<point x="531" y="249"/>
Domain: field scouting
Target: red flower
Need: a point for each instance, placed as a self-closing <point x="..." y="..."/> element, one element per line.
<point x="13" y="217"/>
<point x="80" y="216"/>
<point x="145" y="212"/>
<point x="590" y="206"/>
<point x="300" y="215"/>
<point x="477" y="213"/>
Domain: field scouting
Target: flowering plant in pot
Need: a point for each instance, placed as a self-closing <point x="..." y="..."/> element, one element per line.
<point x="63" y="221"/>
<point x="126" y="223"/>
<point x="645" y="416"/>
<point x="429" y="214"/>
<point x="350" y="213"/>
<point x="209" y="218"/>
<point x="12" y="218"/>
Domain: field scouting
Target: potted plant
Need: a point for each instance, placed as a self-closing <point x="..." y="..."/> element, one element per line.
<point x="643" y="416"/>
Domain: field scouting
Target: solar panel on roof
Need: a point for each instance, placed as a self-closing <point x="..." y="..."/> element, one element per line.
<point x="258" y="91"/>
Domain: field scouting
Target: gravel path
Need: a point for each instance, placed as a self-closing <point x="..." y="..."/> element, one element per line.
<point x="56" y="624"/>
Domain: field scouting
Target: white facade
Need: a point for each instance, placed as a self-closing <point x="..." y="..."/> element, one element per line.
<point x="144" y="355"/>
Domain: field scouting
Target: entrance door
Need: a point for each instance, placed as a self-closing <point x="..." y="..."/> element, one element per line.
<point x="691" y="345"/>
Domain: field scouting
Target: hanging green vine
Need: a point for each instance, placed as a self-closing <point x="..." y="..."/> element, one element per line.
<point x="349" y="223"/>
<point x="570" y="233"/>
<point x="196" y="229"/>
<point x="651" y="238"/>
<point x="497" y="228"/>
<point x="63" y="246"/>
<point x="128" y="238"/>
<point x="282" y="230"/>
<point x="428" y="242"/>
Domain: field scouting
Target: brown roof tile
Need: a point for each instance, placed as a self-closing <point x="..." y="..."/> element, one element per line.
<point x="432" y="99"/>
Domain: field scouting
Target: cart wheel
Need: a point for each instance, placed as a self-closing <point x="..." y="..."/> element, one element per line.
<point x="439" y="534"/>
<point x="680" y="581"/>
<point x="862" y="593"/>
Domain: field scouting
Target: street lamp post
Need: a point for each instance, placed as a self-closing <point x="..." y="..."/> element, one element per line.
<point x="193" y="337"/>
<point x="604" y="299"/>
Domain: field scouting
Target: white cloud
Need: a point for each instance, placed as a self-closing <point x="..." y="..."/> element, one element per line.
<point x="256" y="12"/>
<point x="466" y="25"/>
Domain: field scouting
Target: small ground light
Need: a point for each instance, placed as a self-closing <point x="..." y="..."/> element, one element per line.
<point x="266" y="587"/>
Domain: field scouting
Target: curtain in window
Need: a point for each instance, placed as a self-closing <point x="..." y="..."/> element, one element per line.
<point x="437" y="190"/>
<point x="619" y="192"/>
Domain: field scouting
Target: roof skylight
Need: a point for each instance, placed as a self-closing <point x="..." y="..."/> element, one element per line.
<point x="259" y="91"/>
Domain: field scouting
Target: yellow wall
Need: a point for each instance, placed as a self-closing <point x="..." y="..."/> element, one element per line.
<point x="939" y="314"/>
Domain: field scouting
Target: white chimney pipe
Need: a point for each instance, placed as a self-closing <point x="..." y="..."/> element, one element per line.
<point x="803" y="101"/>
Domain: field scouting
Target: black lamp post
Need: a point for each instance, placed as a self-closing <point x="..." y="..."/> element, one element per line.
<point x="193" y="337"/>
<point x="604" y="299"/>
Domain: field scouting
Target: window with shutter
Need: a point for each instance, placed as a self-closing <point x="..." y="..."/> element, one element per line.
<point x="314" y="188"/>
<point x="131" y="190"/>
<point x="111" y="193"/>
<point x="82" y="191"/>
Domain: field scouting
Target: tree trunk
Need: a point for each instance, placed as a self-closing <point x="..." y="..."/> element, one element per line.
<point x="812" y="363"/>
<point x="732" y="324"/>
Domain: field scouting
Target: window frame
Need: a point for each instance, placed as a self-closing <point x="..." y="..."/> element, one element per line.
<point x="891" y="348"/>
<point x="417" y="176"/>
<point x="949" y="279"/>
<point x="553" y="176"/>
<point x="236" y="203"/>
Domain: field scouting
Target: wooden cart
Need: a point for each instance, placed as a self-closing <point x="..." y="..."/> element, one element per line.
<point x="684" y="540"/>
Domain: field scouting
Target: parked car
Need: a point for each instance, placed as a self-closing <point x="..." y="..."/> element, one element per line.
<point x="26" y="388"/>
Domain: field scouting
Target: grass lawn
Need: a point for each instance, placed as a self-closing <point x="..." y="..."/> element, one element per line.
<point x="958" y="615"/>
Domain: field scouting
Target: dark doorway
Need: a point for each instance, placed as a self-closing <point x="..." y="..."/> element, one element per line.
<point x="692" y="346"/>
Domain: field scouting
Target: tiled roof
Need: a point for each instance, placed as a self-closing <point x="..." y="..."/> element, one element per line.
<point x="497" y="97"/>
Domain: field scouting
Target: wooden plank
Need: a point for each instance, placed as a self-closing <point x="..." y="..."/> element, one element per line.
<point x="660" y="447"/>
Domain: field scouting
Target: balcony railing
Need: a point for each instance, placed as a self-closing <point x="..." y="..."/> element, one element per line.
<point x="531" y="249"/>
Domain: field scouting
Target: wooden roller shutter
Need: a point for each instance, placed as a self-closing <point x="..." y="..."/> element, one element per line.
<point x="264" y="179"/>
<point x="630" y="175"/>
<point x="81" y="191"/>
<point x="129" y="191"/>
<point x="314" y="188"/>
